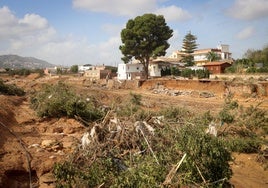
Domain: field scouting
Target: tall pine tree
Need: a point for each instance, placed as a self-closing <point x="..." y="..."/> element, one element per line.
<point x="144" y="37"/>
<point x="188" y="47"/>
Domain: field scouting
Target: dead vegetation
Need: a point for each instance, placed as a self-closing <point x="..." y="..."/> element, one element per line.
<point x="121" y="153"/>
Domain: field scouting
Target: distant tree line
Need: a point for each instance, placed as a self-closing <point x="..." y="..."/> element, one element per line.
<point x="24" y="71"/>
<point x="254" y="61"/>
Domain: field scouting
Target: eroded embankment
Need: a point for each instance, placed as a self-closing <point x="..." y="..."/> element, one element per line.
<point x="240" y="89"/>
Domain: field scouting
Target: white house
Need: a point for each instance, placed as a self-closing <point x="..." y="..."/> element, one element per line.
<point x="200" y="56"/>
<point x="82" y="68"/>
<point x="130" y="71"/>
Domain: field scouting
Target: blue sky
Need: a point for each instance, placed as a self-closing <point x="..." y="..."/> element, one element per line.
<point x="69" y="32"/>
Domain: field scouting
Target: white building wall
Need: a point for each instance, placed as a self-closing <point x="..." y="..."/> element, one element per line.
<point x="201" y="57"/>
<point x="83" y="67"/>
<point x="121" y="72"/>
<point x="124" y="70"/>
<point x="225" y="54"/>
<point x="154" y="70"/>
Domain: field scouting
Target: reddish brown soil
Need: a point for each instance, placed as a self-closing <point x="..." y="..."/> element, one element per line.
<point x="21" y="128"/>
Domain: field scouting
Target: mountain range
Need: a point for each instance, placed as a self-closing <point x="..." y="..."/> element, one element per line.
<point x="18" y="62"/>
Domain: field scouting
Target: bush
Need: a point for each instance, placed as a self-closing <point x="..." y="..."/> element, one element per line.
<point x="202" y="73"/>
<point x="8" y="89"/>
<point x="227" y="114"/>
<point x="175" y="114"/>
<point x="246" y="125"/>
<point x="253" y="118"/>
<point x="175" y="71"/>
<point x="244" y="144"/>
<point x="59" y="100"/>
<point x="205" y="154"/>
<point x="135" y="98"/>
<point x="20" y="72"/>
<point x="187" y="73"/>
<point x="166" y="71"/>
<point x="123" y="158"/>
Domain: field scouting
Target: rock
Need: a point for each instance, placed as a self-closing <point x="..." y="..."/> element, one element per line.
<point x="48" y="143"/>
<point x="34" y="146"/>
<point x="206" y="94"/>
<point x="47" y="178"/>
<point x="57" y="130"/>
<point x="40" y="150"/>
<point x="71" y="130"/>
<point x="51" y="145"/>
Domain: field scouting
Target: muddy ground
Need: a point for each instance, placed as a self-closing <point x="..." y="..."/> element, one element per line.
<point x="29" y="142"/>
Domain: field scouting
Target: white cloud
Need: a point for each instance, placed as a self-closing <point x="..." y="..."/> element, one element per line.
<point x="32" y="35"/>
<point x="109" y="50"/>
<point x="34" y="21"/>
<point x="31" y="25"/>
<point x="132" y="8"/>
<point x="174" y="13"/>
<point x="117" y="7"/>
<point x="6" y="17"/>
<point x="246" y="33"/>
<point x="249" y="9"/>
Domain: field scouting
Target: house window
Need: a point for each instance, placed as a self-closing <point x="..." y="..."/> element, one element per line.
<point x="138" y="68"/>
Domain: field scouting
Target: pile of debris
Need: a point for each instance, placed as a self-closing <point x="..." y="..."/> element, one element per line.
<point x="170" y="92"/>
<point x="113" y="133"/>
<point x="118" y="148"/>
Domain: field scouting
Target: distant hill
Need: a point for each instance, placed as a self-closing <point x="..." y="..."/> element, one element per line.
<point x="18" y="62"/>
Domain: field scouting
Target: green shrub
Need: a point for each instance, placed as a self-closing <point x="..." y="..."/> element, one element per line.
<point x="205" y="153"/>
<point x="10" y="89"/>
<point x="187" y="73"/>
<point x="202" y="73"/>
<point x="146" y="173"/>
<point x="20" y="72"/>
<point x="59" y="100"/>
<point x="253" y="118"/>
<point x="227" y="114"/>
<point x="175" y="113"/>
<point x="135" y="98"/>
<point x="175" y="71"/>
<point x="248" y="124"/>
<point x="127" y="110"/>
<point x="244" y="144"/>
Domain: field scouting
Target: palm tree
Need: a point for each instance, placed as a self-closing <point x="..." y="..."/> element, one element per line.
<point x="212" y="56"/>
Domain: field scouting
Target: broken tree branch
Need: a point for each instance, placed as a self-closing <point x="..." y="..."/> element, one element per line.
<point x="200" y="174"/>
<point x="173" y="171"/>
<point x="150" y="148"/>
